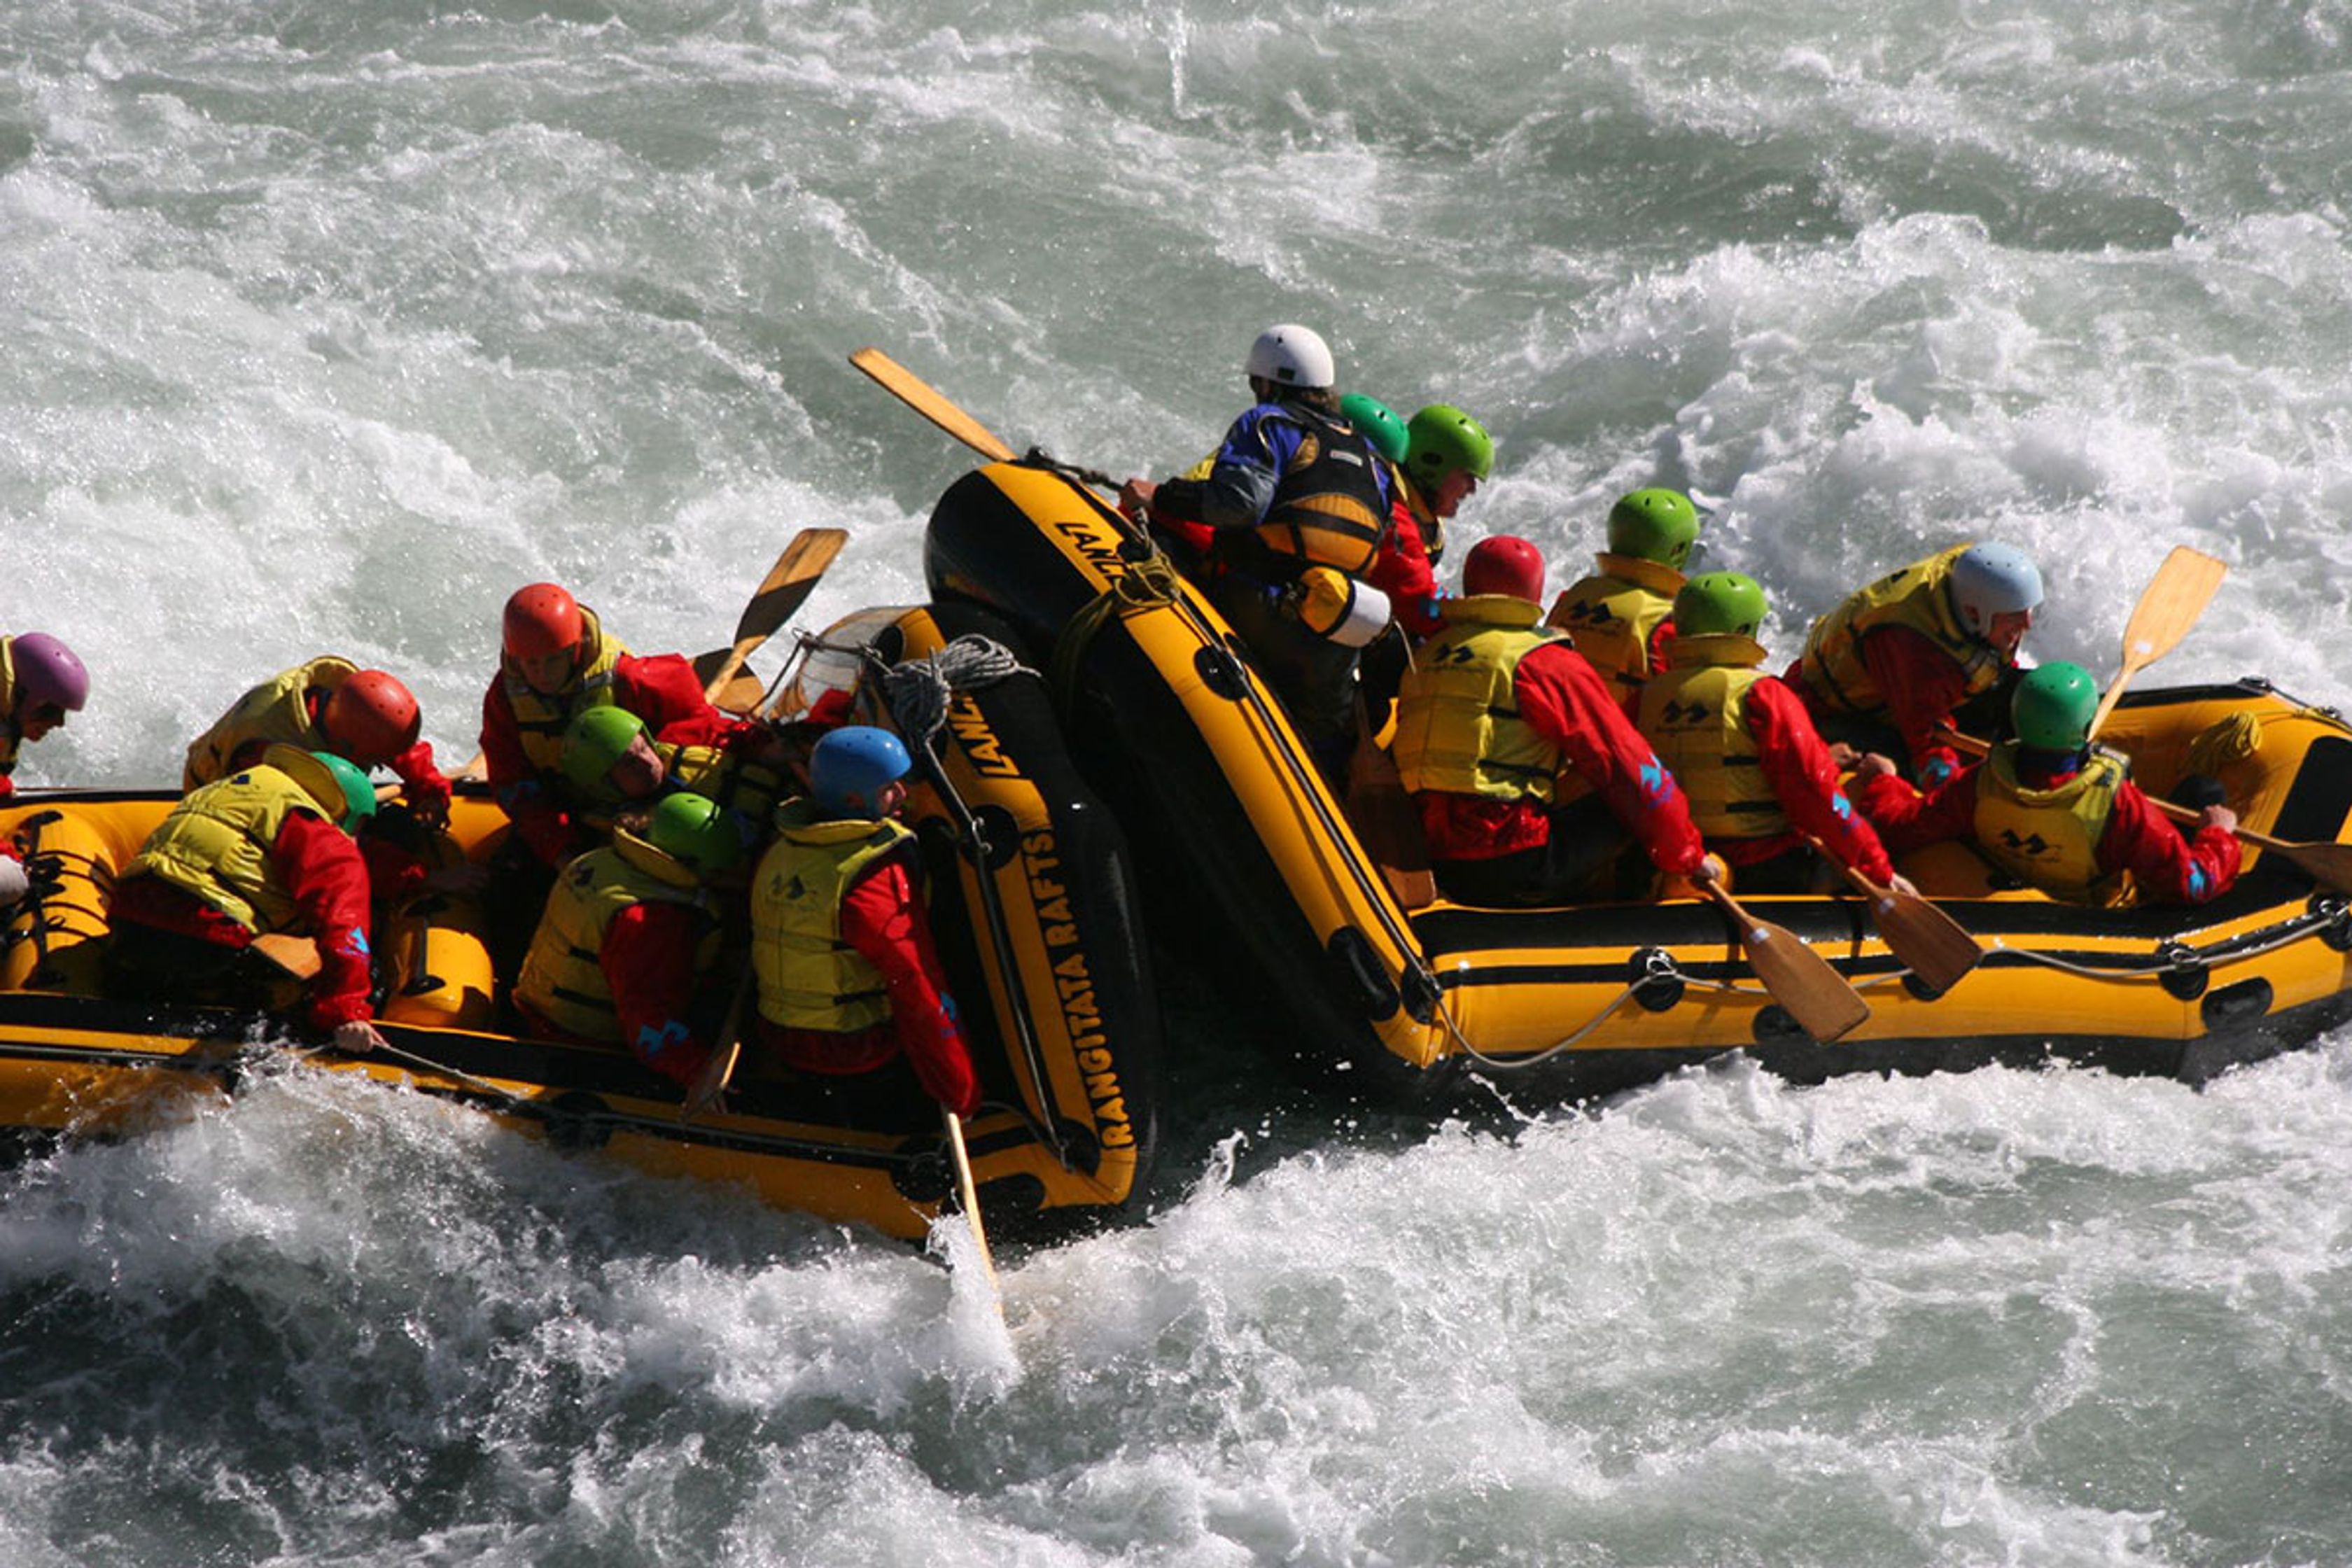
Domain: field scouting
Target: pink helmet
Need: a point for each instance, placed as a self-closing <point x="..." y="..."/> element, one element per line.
<point x="47" y="671"/>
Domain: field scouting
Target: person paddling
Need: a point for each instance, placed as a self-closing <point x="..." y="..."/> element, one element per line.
<point x="1527" y="773"/>
<point x="850" y="988"/>
<point x="631" y="934"/>
<point x="1760" y="780"/>
<point x="2057" y="812"/>
<point x="1622" y="616"/>
<point x="1898" y="659"/>
<point x="367" y="716"/>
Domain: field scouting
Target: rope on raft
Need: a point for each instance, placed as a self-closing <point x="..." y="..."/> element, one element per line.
<point x="921" y="690"/>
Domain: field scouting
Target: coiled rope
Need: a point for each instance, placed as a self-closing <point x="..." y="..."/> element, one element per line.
<point x="921" y="691"/>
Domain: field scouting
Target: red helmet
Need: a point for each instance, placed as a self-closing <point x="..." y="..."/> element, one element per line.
<point x="1504" y="564"/>
<point x="371" y="718"/>
<point x="541" y="619"/>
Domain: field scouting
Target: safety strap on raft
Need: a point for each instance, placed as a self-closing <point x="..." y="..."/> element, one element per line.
<point x="1145" y="584"/>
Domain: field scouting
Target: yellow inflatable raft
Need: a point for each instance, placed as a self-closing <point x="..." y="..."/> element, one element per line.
<point x="1240" y="836"/>
<point x="1029" y="892"/>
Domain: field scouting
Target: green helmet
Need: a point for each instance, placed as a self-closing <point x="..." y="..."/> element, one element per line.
<point x="1716" y="602"/>
<point x="692" y="829"/>
<point x="1379" y="423"/>
<point x="1653" y="525"/>
<point x="598" y="737"/>
<point x="2051" y="709"/>
<point x="359" y="793"/>
<point x="1442" y="440"/>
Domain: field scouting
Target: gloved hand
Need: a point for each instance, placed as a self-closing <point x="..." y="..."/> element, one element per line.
<point x="14" y="883"/>
<point x="422" y="787"/>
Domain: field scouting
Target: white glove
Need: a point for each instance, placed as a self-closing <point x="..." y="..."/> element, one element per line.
<point x="12" y="880"/>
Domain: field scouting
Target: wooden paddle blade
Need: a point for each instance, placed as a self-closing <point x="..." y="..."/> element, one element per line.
<point x="2174" y="600"/>
<point x="296" y="956"/>
<point x="788" y="583"/>
<point x="1930" y="943"/>
<point x="784" y="591"/>
<point x="1822" y="1001"/>
<point x="712" y="1081"/>
<point x="740" y="694"/>
<point x="920" y="395"/>
<point x="2330" y="864"/>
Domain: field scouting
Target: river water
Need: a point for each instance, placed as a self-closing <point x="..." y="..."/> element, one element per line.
<point x="328" y="324"/>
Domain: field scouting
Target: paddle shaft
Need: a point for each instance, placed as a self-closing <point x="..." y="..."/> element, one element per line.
<point x="715" y="1077"/>
<point x="969" y="1190"/>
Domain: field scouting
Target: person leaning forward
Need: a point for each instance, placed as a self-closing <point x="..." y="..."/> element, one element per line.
<point x="1524" y="767"/>
<point x="1898" y="658"/>
<point x="849" y="980"/>
<point x="1760" y="782"/>
<point x="367" y="716"/>
<point x="555" y="658"/>
<point x="41" y="682"/>
<point x="267" y="850"/>
<point x="1295" y="487"/>
<point x="631" y="933"/>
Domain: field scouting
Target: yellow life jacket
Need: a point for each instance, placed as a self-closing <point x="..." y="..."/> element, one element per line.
<point x="736" y="782"/>
<point x="1613" y="614"/>
<point x="542" y="719"/>
<point x="809" y="977"/>
<point x="1326" y="509"/>
<point x="2049" y="838"/>
<point x="562" y="977"/>
<point x="10" y="741"/>
<point x="215" y="843"/>
<point x="274" y="710"/>
<point x="1918" y="597"/>
<point x="1695" y="717"/>
<point x="1458" y="728"/>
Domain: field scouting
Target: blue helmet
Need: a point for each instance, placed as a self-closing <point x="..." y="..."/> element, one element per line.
<point x="854" y="760"/>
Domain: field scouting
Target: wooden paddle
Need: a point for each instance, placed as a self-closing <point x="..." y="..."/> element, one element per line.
<point x="296" y="956"/>
<point x="970" y="1191"/>
<point x="1823" y="1001"/>
<point x="1930" y="943"/>
<point x="2175" y="597"/>
<point x="925" y="400"/>
<point x="780" y="594"/>
<point x="712" y="1083"/>
<point x="2327" y="863"/>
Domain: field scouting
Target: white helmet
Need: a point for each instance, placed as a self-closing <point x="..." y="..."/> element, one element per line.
<point x="1988" y="580"/>
<point x="1292" y="355"/>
